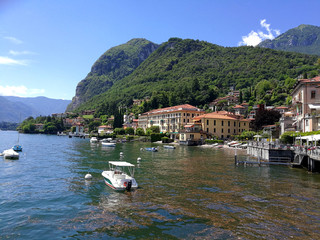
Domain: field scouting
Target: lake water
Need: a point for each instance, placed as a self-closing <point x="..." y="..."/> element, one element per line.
<point x="186" y="193"/>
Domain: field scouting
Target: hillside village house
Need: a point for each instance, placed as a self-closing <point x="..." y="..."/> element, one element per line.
<point x="107" y="129"/>
<point x="306" y="104"/>
<point x="222" y="124"/>
<point x="170" y="119"/>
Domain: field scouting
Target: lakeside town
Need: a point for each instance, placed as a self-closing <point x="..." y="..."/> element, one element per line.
<point x="189" y="125"/>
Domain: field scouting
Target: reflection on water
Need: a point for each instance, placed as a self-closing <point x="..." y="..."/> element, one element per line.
<point x="185" y="193"/>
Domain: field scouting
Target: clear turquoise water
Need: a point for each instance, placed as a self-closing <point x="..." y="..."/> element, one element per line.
<point x="186" y="193"/>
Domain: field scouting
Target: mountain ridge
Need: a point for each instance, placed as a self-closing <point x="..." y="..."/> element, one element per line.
<point x="111" y="66"/>
<point x="303" y="39"/>
<point x="16" y="109"/>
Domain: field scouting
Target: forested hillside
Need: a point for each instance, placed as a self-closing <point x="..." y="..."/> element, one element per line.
<point x="113" y="65"/>
<point x="197" y="72"/>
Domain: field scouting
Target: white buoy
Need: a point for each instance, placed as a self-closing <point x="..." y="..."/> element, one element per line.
<point x="139" y="159"/>
<point x="88" y="176"/>
<point x="121" y="153"/>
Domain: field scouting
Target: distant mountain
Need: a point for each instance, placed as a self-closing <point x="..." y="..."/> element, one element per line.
<point x="12" y="107"/>
<point x="115" y="64"/>
<point x="302" y="39"/>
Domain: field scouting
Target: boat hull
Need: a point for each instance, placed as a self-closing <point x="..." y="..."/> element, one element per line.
<point x="10" y="154"/>
<point x="118" y="183"/>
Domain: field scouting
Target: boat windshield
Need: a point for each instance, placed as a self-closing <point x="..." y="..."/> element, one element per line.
<point x="122" y="167"/>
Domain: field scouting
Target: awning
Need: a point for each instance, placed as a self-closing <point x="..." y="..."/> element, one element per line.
<point x="310" y="137"/>
<point x="188" y="126"/>
<point x="314" y="106"/>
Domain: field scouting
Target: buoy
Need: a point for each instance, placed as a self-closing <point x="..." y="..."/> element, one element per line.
<point x="138" y="159"/>
<point x="88" y="176"/>
<point x="141" y="149"/>
<point x="121" y="153"/>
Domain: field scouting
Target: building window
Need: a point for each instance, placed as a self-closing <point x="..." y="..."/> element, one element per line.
<point x="184" y="114"/>
<point x="221" y="123"/>
<point x="234" y="124"/>
<point x="214" y="122"/>
<point x="244" y="124"/>
<point x="184" y="120"/>
<point x="214" y="130"/>
<point x="307" y="123"/>
<point x="207" y="122"/>
<point x="192" y="115"/>
<point x="222" y="130"/>
<point x="207" y="130"/>
<point x="188" y="120"/>
<point x="229" y="130"/>
<point x="239" y="124"/>
<point x="188" y="114"/>
<point x="228" y="123"/>
<point x="313" y="94"/>
<point x="221" y="136"/>
<point x="234" y="131"/>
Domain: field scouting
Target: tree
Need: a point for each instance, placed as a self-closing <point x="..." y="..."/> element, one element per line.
<point x="265" y="117"/>
<point x="129" y="131"/>
<point x="140" y="132"/>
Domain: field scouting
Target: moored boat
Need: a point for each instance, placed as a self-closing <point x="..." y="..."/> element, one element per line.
<point x="10" y="154"/>
<point x="120" y="176"/>
<point x="152" y="149"/>
<point x="93" y="140"/>
<point x="108" y="144"/>
<point x="169" y="146"/>
<point x="17" y="148"/>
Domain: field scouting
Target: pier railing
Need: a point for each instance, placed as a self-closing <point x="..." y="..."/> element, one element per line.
<point x="269" y="145"/>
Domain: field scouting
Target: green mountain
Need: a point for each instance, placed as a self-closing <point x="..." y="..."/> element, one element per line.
<point x="197" y="72"/>
<point x="113" y="65"/>
<point x="302" y="39"/>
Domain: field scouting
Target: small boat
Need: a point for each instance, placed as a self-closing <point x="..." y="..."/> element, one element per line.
<point x="93" y="140"/>
<point x="152" y="149"/>
<point x="10" y="154"/>
<point x="117" y="178"/>
<point x="17" y="148"/>
<point x="108" y="144"/>
<point x="169" y="147"/>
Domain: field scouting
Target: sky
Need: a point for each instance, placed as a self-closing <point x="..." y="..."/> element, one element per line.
<point x="48" y="46"/>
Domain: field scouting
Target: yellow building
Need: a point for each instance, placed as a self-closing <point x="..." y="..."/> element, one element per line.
<point x="222" y="124"/>
<point x="170" y="119"/>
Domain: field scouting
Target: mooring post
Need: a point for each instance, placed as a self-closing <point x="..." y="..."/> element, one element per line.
<point x="259" y="161"/>
<point x="235" y="157"/>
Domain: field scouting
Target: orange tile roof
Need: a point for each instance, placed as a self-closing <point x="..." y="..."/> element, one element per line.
<point x="238" y="106"/>
<point x="174" y="109"/>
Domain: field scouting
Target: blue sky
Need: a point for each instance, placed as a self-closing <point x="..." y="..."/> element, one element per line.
<point x="48" y="46"/>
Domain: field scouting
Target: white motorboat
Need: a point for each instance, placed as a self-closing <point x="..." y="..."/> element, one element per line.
<point x="120" y="176"/>
<point x="108" y="144"/>
<point x="10" y="154"/>
<point x="169" y="146"/>
<point x="93" y="140"/>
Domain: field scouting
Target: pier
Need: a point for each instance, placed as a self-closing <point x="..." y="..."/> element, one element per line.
<point x="271" y="153"/>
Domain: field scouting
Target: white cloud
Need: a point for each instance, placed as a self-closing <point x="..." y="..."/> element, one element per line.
<point x="11" y="61"/>
<point x="19" y="91"/>
<point x="254" y="38"/>
<point x="14" y="40"/>
<point x="16" y="53"/>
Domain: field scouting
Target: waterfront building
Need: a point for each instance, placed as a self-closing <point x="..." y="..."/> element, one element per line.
<point x="107" y="129"/>
<point x="222" y="124"/>
<point x="169" y="120"/>
<point x="306" y="104"/>
<point x="192" y="134"/>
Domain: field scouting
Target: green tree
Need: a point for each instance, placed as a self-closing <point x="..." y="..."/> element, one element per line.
<point x="129" y="131"/>
<point x="140" y="132"/>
